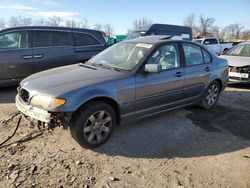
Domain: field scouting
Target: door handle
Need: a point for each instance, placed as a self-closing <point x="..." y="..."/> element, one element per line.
<point x="207" y="69"/>
<point x="179" y="74"/>
<point x="38" y="56"/>
<point x="27" y="57"/>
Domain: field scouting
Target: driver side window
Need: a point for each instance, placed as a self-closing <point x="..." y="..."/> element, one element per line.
<point x="167" y="56"/>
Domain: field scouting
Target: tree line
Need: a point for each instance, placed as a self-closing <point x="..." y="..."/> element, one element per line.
<point x="202" y="26"/>
<point x="54" y="21"/>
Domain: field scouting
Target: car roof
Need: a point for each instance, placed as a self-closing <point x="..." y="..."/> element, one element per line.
<point x="150" y="39"/>
<point x="49" y="27"/>
<point x="158" y="39"/>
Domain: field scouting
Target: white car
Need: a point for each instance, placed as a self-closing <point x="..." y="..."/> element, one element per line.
<point x="215" y="45"/>
<point x="238" y="59"/>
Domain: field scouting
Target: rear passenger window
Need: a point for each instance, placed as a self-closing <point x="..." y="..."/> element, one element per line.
<point x="51" y="38"/>
<point x="14" y="40"/>
<point x="193" y="54"/>
<point x="82" y="39"/>
<point x="206" y="56"/>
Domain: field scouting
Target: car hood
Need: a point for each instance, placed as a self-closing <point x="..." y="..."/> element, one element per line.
<point x="237" y="61"/>
<point x="58" y="81"/>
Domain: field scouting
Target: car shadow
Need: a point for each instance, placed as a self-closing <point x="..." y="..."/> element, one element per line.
<point x="189" y="132"/>
<point x="7" y="94"/>
<point x="239" y="85"/>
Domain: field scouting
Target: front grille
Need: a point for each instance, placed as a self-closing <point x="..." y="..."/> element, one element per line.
<point x="24" y="95"/>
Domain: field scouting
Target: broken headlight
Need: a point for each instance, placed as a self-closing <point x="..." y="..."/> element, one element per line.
<point x="246" y="69"/>
<point x="46" y="102"/>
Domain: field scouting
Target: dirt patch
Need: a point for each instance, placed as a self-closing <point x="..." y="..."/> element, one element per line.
<point x="181" y="148"/>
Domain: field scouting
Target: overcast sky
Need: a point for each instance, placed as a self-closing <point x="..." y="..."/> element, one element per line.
<point x="121" y="14"/>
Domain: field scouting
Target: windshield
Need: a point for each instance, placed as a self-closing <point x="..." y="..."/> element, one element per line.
<point x="123" y="56"/>
<point x="239" y="50"/>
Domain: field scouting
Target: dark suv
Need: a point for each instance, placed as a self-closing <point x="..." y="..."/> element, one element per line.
<point x="127" y="81"/>
<point x="26" y="50"/>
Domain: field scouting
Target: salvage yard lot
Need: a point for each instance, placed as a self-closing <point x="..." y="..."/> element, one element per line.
<point x="188" y="147"/>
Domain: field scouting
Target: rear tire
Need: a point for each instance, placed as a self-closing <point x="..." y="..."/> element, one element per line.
<point x="211" y="95"/>
<point x="93" y="124"/>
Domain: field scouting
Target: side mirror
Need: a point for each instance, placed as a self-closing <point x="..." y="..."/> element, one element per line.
<point x="153" y="68"/>
<point x="206" y="42"/>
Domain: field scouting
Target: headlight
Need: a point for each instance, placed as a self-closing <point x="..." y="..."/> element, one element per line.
<point x="46" y="102"/>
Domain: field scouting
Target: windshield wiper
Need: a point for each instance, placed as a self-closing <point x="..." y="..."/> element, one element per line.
<point x="106" y="66"/>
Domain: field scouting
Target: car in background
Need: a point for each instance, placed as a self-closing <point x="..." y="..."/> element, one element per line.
<point x="27" y="50"/>
<point x="177" y="31"/>
<point x="215" y="44"/>
<point x="129" y="80"/>
<point x="115" y="39"/>
<point x="238" y="59"/>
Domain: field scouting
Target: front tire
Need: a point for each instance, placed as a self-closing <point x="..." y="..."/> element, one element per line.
<point x="211" y="95"/>
<point x="93" y="124"/>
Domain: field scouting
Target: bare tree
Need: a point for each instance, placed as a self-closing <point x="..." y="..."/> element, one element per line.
<point x="20" y="21"/>
<point x="202" y="27"/>
<point x="206" y="25"/>
<point x="215" y="31"/>
<point x="190" y="21"/>
<point x="2" y="23"/>
<point x="70" y="23"/>
<point x="246" y="35"/>
<point x="54" y="21"/>
<point x="14" y="22"/>
<point x="141" y="23"/>
<point x="83" y="23"/>
<point x="41" y="22"/>
<point x="26" y="21"/>
<point x="233" y="30"/>
<point x="98" y="27"/>
<point x="109" y="30"/>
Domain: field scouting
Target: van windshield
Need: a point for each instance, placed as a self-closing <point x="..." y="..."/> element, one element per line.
<point x="123" y="55"/>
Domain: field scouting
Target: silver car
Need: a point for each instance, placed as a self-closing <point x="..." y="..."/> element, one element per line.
<point x="130" y="80"/>
<point x="238" y="59"/>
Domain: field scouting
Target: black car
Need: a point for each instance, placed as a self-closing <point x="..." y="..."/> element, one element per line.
<point x="27" y="50"/>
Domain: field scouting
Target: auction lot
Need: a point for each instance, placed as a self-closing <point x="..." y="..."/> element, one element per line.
<point x="188" y="147"/>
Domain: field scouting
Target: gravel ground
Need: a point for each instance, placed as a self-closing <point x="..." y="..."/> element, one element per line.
<point x="188" y="147"/>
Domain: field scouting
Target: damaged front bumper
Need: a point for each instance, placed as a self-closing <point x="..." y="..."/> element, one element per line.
<point x="239" y="77"/>
<point x="51" y="119"/>
<point x="239" y="74"/>
<point x="33" y="112"/>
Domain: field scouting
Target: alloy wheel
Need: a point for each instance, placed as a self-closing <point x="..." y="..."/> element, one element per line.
<point x="97" y="127"/>
<point x="212" y="94"/>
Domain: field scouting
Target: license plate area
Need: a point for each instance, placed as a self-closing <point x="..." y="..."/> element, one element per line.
<point x="239" y="75"/>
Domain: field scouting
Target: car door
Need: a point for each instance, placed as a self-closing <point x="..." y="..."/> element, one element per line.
<point x="86" y="46"/>
<point x="157" y="91"/>
<point x="213" y="44"/>
<point x="15" y="55"/>
<point x="52" y="48"/>
<point x="197" y="69"/>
